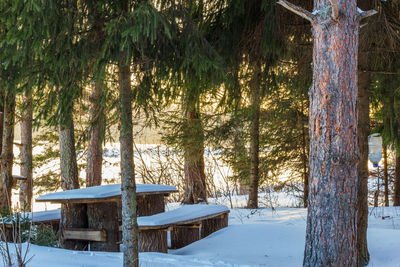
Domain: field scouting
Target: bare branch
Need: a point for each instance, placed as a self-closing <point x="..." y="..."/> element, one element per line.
<point x="366" y="14"/>
<point x="297" y="10"/>
<point x="335" y="9"/>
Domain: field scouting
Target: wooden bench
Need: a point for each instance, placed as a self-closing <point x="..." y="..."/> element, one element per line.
<point x="187" y="224"/>
<point x="49" y="218"/>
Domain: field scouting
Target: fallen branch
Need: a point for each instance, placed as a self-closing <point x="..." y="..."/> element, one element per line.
<point x="297" y="10"/>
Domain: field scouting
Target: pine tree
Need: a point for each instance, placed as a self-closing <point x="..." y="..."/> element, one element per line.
<point x="333" y="134"/>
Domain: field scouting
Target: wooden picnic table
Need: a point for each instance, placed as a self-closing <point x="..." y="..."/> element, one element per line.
<point x="104" y="211"/>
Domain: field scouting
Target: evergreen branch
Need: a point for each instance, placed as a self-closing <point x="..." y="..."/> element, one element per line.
<point x="297" y="10"/>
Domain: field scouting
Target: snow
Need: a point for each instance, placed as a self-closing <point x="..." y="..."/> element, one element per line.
<point x="39" y="216"/>
<point x="262" y="237"/>
<point x="103" y="191"/>
<point x="183" y="213"/>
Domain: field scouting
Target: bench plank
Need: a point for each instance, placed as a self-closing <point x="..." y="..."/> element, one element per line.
<point x="85" y="234"/>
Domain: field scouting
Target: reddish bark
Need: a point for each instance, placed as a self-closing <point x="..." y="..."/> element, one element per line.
<point x="331" y="238"/>
<point x="96" y="134"/>
<point x="7" y="155"/>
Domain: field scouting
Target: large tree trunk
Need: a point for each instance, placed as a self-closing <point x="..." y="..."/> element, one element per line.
<point x="386" y="175"/>
<point x="255" y="98"/>
<point x="364" y="83"/>
<point x="396" y="194"/>
<point x="25" y="194"/>
<point x="7" y="155"/>
<point x="73" y="215"/>
<point x="331" y="238"/>
<point x="96" y="136"/>
<point x="96" y="109"/>
<point x="130" y="230"/>
<point x="195" y="178"/>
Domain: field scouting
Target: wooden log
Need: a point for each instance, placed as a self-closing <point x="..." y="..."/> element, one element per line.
<point x="153" y="241"/>
<point x="183" y="235"/>
<point x="150" y="204"/>
<point x="211" y="225"/>
<point x="73" y="216"/>
<point x="104" y="216"/>
<point x="85" y="234"/>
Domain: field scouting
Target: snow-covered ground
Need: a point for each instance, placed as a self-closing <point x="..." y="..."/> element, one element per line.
<point x="262" y="237"/>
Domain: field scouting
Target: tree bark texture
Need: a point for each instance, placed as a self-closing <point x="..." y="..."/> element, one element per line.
<point x="2" y="100"/>
<point x="255" y="98"/>
<point x="25" y="194"/>
<point x="104" y="216"/>
<point x="331" y="238"/>
<point x="209" y="226"/>
<point x="128" y="186"/>
<point x="195" y="177"/>
<point x="7" y="155"/>
<point x="153" y="241"/>
<point x="96" y="108"/>
<point x="182" y="236"/>
<point x="396" y="193"/>
<point x="96" y="136"/>
<point x="73" y="215"/>
<point x="150" y="205"/>
<point x="386" y="175"/>
<point x="364" y="83"/>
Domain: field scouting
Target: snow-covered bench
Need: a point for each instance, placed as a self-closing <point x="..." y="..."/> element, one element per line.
<point x="187" y="224"/>
<point x="50" y="218"/>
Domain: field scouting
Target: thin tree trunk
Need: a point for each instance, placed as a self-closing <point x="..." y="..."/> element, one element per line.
<point x="255" y="99"/>
<point x="364" y="83"/>
<point x="25" y="194"/>
<point x="331" y="238"/>
<point x="396" y="194"/>
<point x="2" y="100"/>
<point x="96" y="136"/>
<point x="130" y="230"/>
<point x="7" y="155"/>
<point x="378" y="190"/>
<point x="304" y="160"/>
<point x="195" y="177"/>
<point x="73" y="215"/>
<point x="386" y="175"/>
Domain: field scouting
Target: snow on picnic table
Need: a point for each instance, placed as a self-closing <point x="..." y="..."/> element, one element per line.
<point x="182" y="214"/>
<point x="262" y="237"/>
<point x="103" y="191"/>
<point x="40" y="216"/>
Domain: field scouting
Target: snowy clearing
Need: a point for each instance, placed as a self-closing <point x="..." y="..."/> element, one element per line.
<point x="262" y="237"/>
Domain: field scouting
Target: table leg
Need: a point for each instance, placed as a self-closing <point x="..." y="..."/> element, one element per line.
<point x="104" y="216"/>
<point x="73" y="216"/>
